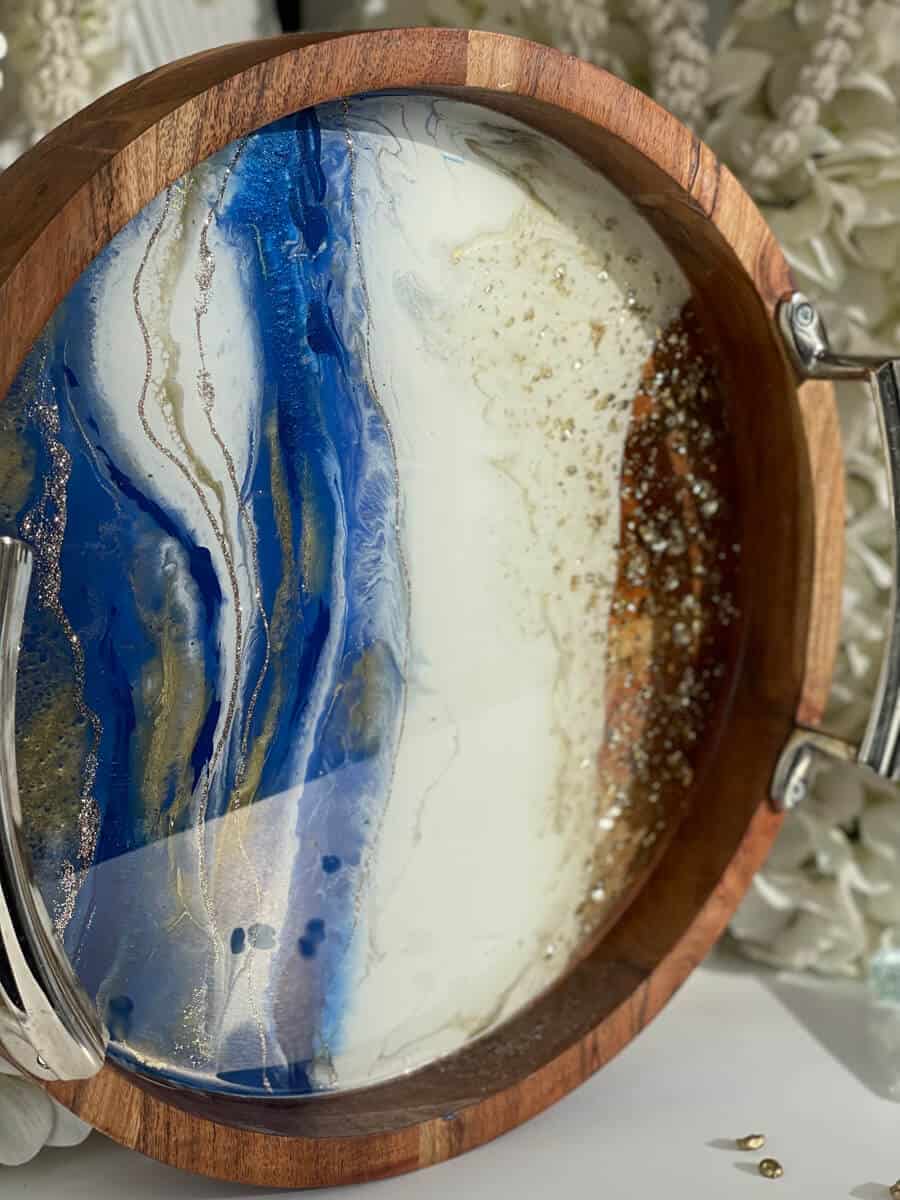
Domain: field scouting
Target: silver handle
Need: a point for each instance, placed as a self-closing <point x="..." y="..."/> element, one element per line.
<point x="879" y="751"/>
<point x="48" y="1027"/>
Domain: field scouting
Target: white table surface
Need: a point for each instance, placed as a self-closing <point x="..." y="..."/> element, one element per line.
<point x="736" y="1052"/>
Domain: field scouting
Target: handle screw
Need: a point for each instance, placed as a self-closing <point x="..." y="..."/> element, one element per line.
<point x="796" y="793"/>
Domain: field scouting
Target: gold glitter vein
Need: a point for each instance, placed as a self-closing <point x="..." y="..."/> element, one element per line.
<point x="205" y="275"/>
<point x="44" y="527"/>
<point x="222" y="541"/>
<point x="206" y="387"/>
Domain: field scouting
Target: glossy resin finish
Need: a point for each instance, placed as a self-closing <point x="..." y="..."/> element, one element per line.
<point x="321" y="462"/>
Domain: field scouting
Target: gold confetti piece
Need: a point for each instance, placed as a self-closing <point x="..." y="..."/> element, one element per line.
<point x="753" y="1141"/>
<point x="770" y="1169"/>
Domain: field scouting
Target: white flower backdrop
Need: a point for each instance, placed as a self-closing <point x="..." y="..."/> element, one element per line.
<point x="802" y="99"/>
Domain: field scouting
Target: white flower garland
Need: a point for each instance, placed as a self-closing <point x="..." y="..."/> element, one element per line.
<point x="679" y="55"/>
<point x="66" y="44"/>
<point x="818" y="83"/>
<point x="574" y="26"/>
<point x="62" y="53"/>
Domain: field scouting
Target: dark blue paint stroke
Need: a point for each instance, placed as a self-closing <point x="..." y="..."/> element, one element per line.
<point x="321" y="332"/>
<point x="292" y="1080"/>
<point x="117" y="834"/>
<point x="119" y="1010"/>
<point x="318" y="627"/>
<point x="310" y="185"/>
<point x="199" y="558"/>
<point x="204" y="746"/>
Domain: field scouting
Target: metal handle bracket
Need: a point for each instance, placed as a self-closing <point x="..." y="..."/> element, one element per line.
<point x="808" y="750"/>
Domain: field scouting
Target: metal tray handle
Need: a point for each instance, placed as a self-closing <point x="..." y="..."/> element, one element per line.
<point x="879" y="751"/>
<point x="48" y="1027"/>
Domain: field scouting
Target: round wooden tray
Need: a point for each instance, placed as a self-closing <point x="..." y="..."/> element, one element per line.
<point x="64" y="201"/>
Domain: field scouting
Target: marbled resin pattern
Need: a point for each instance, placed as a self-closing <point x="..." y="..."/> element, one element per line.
<point x="310" y="709"/>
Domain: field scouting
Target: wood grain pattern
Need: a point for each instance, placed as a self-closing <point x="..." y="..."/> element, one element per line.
<point x="823" y="435"/>
<point x="62" y="203"/>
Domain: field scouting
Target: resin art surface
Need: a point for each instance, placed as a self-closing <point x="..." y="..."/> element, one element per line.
<point x="321" y="464"/>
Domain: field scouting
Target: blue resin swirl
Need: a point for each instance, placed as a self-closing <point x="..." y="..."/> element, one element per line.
<point x="249" y="1001"/>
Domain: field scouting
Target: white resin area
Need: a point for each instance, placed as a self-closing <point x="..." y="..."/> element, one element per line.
<point x="514" y="296"/>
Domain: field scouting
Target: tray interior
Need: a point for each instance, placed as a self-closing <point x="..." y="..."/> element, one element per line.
<point x="381" y="491"/>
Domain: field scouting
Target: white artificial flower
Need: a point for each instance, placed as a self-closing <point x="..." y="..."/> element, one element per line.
<point x="830" y="189"/>
<point x="30" y="1120"/>
<point x="64" y="51"/>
